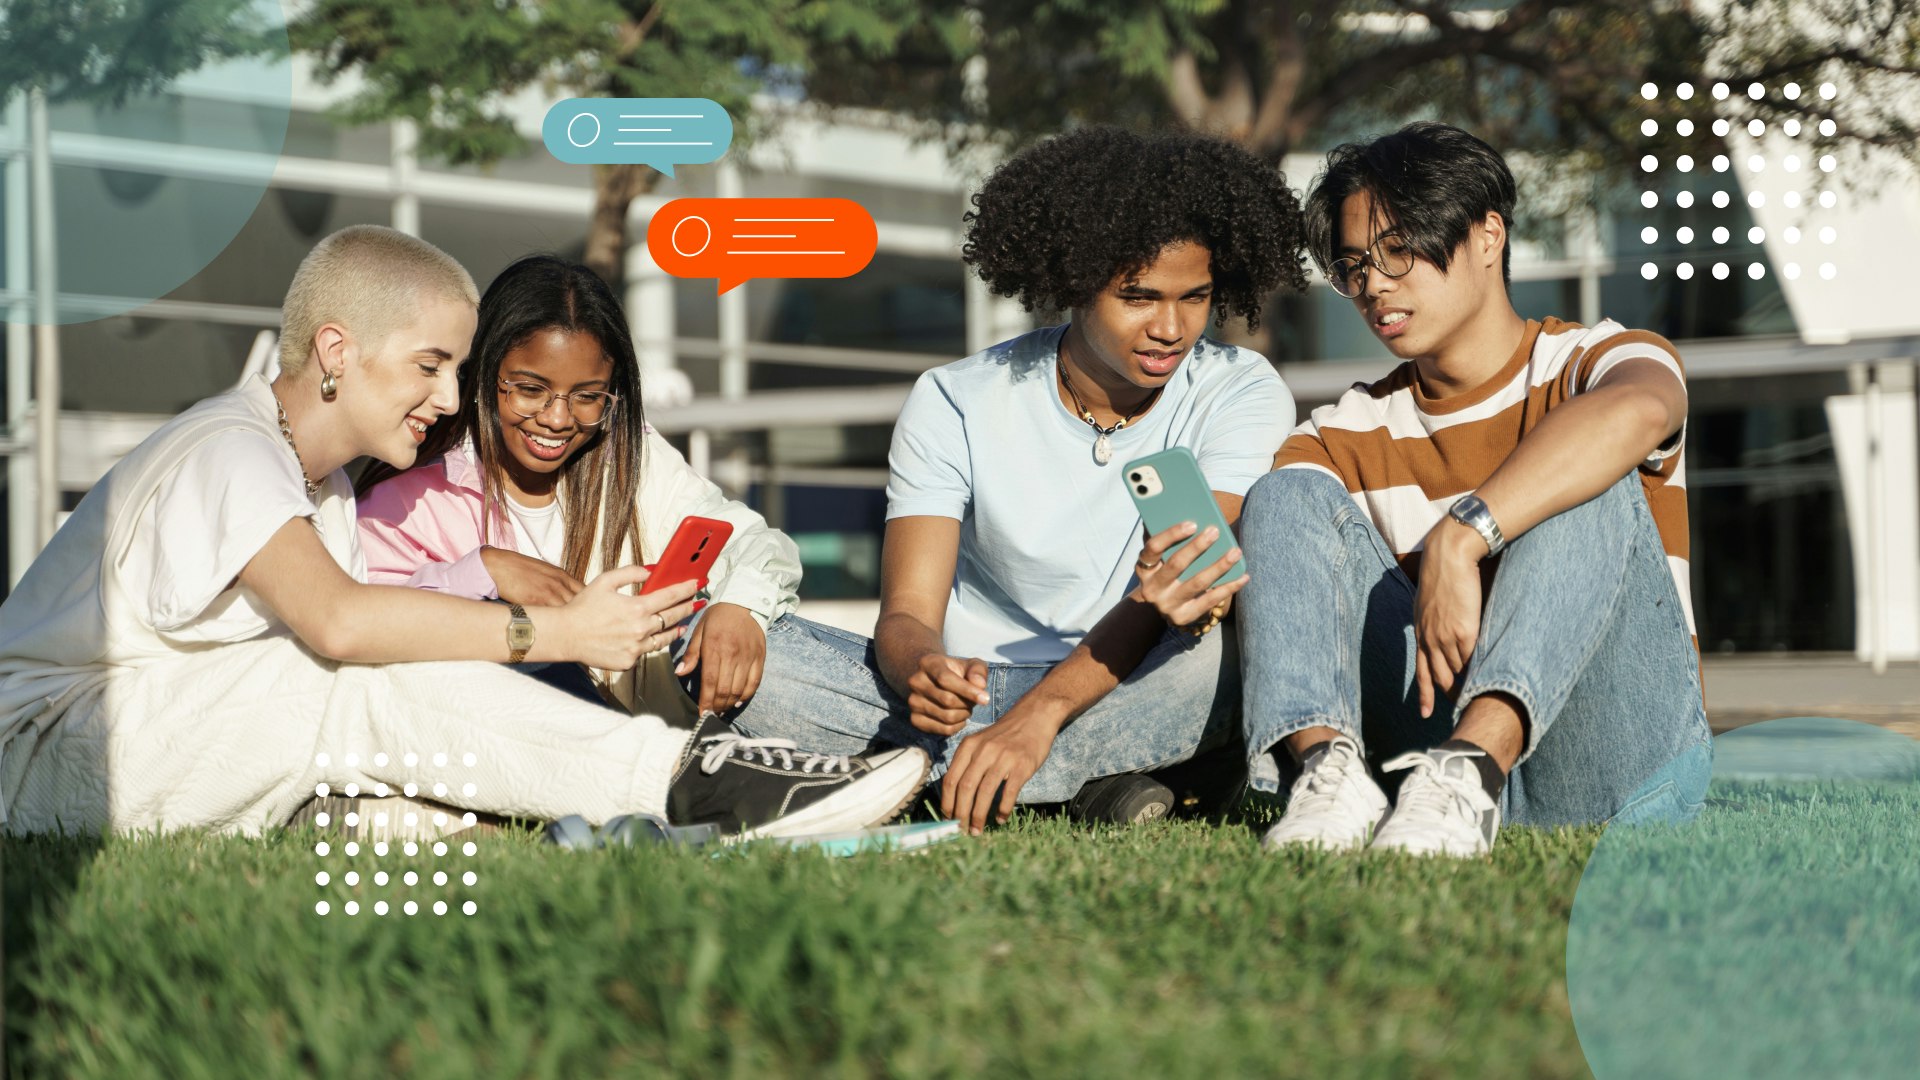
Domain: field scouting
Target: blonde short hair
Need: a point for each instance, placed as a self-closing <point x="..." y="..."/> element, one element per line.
<point x="370" y="279"/>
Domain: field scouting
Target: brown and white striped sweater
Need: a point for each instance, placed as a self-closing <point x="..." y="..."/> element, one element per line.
<point x="1406" y="457"/>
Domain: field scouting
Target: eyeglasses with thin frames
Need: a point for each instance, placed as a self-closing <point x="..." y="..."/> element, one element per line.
<point x="589" y="408"/>
<point x="1388" y="254"/>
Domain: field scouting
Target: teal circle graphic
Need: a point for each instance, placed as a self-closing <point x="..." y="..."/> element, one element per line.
<point x="1776" y="934"/>
<point x="146" y="189"/>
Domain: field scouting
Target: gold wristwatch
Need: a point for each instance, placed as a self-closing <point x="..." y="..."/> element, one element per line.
<point x="519" y="634"/>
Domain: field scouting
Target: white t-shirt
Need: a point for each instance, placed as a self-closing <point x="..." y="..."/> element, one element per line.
<point x="148" y="564"/>
<point x="539" y="531"/>
<point x="1048" y="536"/>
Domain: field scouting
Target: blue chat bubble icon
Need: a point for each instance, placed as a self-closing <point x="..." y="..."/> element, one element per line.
<point x="658" y="132"/>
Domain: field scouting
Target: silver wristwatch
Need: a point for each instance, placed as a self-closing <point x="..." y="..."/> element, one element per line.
<point x="1471" y="511"/>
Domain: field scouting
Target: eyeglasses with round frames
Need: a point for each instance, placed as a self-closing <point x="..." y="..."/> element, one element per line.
<point x="588" y="407"/>
<point x="1388" y="254"/>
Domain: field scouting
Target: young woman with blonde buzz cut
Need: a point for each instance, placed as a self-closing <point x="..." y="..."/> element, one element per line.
<point x="199" y="637"/>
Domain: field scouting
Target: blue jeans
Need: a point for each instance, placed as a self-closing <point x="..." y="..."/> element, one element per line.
<point x="1583" y="628"/>
<point x="823" y="690"/>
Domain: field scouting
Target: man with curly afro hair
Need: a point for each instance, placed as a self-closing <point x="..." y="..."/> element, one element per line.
<point x="1026" y="639"/>
<point x="1472" y="573"/>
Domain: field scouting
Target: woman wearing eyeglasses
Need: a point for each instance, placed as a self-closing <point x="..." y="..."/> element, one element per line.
<point x="551" y="473"/>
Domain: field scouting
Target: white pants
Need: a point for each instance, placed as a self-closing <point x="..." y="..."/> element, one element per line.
<point x="229" y="739"/>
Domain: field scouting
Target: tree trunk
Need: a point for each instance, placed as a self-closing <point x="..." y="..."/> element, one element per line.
<point x="614" y="189"/>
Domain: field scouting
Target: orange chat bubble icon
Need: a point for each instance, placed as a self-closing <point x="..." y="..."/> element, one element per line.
<point x="737" y="240"/>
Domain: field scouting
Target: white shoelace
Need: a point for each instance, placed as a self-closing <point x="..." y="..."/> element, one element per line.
<point x="1324" y="781"/>
<point x="1431" y="793"/>
<point x="781" y="752"/>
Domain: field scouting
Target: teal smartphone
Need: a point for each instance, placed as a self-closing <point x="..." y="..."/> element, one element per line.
<point x="1169" y="488"/>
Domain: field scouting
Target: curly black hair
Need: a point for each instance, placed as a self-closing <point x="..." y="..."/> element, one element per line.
<point x="1055" y="224"/>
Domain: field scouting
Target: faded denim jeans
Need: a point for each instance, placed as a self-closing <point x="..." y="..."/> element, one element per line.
<point x="1583" y="628"/>
<point x="822" y="689"/>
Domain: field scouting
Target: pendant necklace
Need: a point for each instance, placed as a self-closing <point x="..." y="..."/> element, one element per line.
<point x="1102" y="442"/>
<point x="286" y="432"/>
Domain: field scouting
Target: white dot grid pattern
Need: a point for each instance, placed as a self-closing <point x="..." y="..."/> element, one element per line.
<point x="381" y="848"/>
<point x="1757" y="163"/>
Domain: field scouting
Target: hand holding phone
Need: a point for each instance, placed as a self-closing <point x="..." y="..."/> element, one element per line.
<point x="690" y="554"/>
<point x="1190" y="564"/>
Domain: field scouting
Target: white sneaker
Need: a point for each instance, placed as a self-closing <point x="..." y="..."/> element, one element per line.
<point x="1334" y="805"/>
<point x="1443" y="808"/>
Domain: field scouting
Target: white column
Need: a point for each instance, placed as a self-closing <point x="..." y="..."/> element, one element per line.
<point x="650" y="319"/>
<point x="22" y="533"/>
<point x="700" y="452"/>
<point x="1585" y="243"/>
<point x="46" y="342"/>
<point x="1876" y="443"/>
<point x="992" y="319"/>
<point x="406" y="162"/>
<point x="733" y="305"/>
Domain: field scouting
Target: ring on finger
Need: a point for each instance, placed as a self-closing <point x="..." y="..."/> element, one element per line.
<point x="1146" y="566"/>
<point x="663" y="622"/>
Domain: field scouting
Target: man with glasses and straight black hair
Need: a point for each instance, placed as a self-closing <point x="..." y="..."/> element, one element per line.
<point x="1470" y="576"/>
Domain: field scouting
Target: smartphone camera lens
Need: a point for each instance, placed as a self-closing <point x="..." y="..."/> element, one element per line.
<point x="1142" y="489"/>
<point x="1136" y="478"/>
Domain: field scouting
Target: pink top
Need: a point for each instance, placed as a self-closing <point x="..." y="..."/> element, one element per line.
<point x="422" y="528"/>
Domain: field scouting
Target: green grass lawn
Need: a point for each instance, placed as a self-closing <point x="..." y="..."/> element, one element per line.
<point x="1042" y="949"/>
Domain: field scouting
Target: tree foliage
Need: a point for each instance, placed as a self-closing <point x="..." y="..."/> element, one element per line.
<point x="1275" y="75"/>
<point x="446" y="65"/>
<point x="106" y="51"/>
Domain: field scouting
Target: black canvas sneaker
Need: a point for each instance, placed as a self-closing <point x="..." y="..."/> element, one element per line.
<point x="755" y="788"/>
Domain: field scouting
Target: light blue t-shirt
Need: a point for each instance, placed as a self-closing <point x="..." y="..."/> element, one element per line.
<point x="1048" y="535"/>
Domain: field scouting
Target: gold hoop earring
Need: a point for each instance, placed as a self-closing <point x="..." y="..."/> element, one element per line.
<point x="328" y="386"/>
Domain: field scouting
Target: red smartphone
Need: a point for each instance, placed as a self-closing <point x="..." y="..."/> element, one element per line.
<point x="690" y="554"/>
